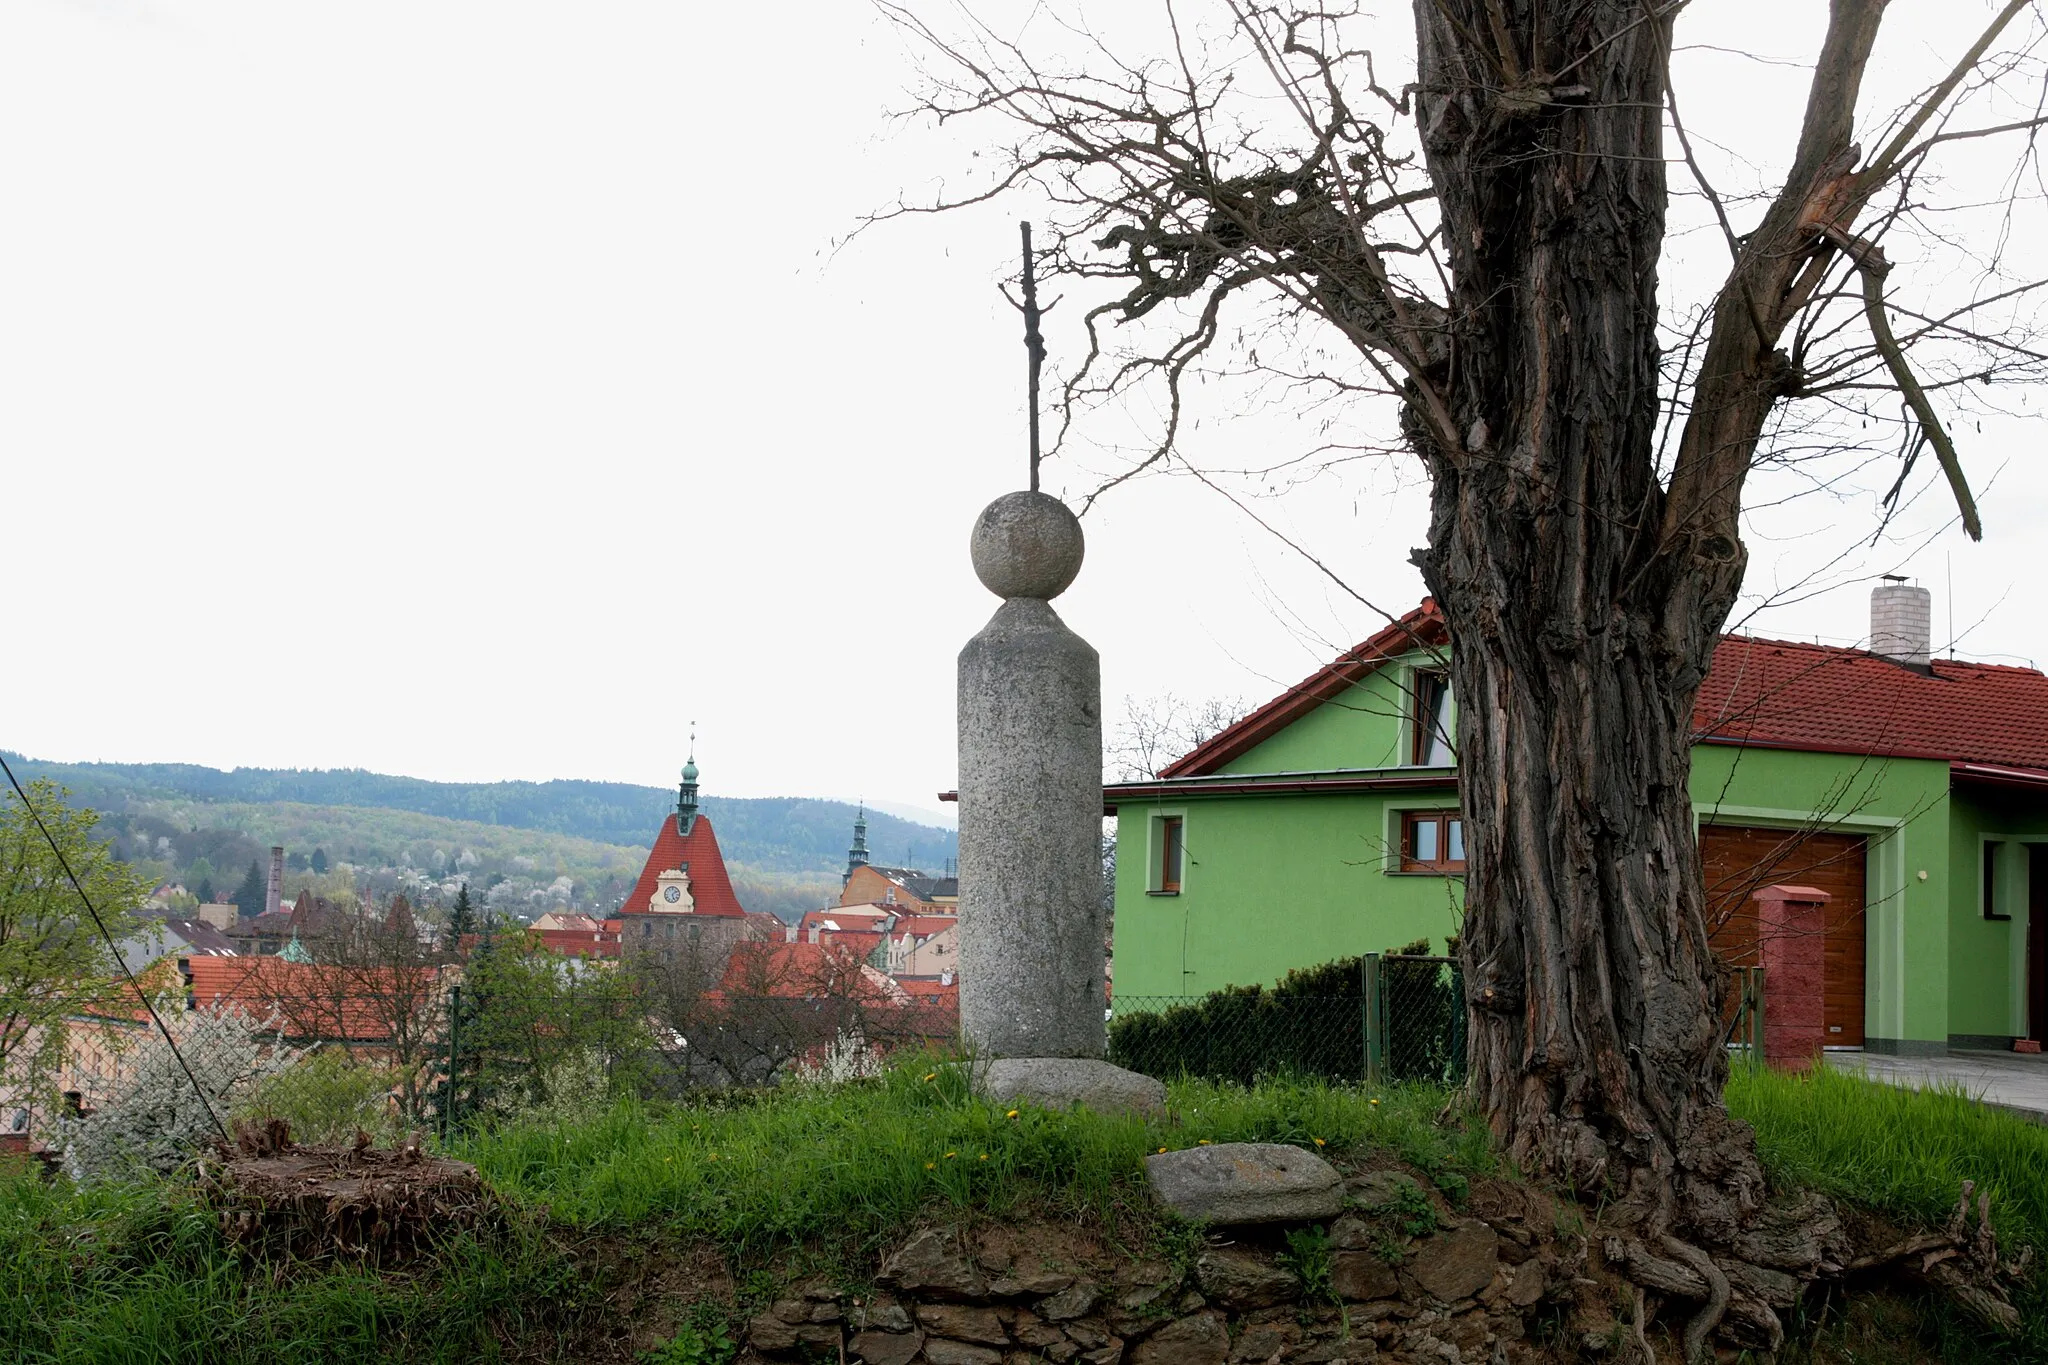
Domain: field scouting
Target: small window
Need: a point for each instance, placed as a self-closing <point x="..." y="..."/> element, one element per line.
<point x="1430" y="738"/>
<point x="1432" y="841"/>
<point x="1991" y="910"/>
<point x="1172" y="852"/>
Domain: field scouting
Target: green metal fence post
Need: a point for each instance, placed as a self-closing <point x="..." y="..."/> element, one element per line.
<point x="1375" y="1021"/>
<point x="454" y="1060"/>
<point x="1754" y="986"/>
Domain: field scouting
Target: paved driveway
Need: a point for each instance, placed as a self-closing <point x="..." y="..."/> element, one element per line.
<point x="2009" y="1080"/>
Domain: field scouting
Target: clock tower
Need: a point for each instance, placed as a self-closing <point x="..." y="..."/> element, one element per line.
<point x="672" y="893"/>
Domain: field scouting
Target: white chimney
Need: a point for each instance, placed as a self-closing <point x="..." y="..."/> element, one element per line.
<point x="815" y="931"/>
<point x="1901" y="621"/>
<point x="789" y="933"/>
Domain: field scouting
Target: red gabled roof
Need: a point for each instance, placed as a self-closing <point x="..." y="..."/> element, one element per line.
<point x="1771" y="693"/>
<point x="1421" y="628"/>
<point x="313" y="1000"/>
<point x="1819" y="697"/>
<point x="710" y="887"/>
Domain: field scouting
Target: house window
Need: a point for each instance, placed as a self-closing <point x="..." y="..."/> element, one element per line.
<point x="1429" y="743"/>
<point x="1991" y="910"/>
<point x="1172" y="846"/>
<point x="1432" y="841"/>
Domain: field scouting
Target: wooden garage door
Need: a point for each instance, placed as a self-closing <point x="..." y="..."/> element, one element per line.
<point x="1738" y="860"/>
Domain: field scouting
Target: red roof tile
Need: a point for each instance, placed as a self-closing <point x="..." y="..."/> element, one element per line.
<point x="710" y="887"/>
<point x="803" y="971"/>
<point x="1772" y="693"/>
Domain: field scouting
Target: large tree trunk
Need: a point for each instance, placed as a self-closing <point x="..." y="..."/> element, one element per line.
<point x="1581" y="633"/>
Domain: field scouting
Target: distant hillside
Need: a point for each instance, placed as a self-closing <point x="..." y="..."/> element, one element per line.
<point x="532" y="842"/>
<point x="779" y="833"/>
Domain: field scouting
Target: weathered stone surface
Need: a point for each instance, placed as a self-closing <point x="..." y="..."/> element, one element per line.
<point x="791" y="1310"/>
<point x="1075" y="1302"/>
<point x="1242" y="1281"/>
<point x="940" y="1351"/>
<point x="826" y="1312"/>
<point x="963" y="1322"/>
<point x="1024" y="1281"/>
<point x="1027" y="545"/>
<point x="1527" y="1283"/>
<point x="1027" y="1329"/>
<point x="1032" y="924"/>
<point x="932" y="1262"/>
<point x="884" y="1312"/>
<point x="1378" y="1189"/>
<point x="1199" y="1340"/>
<point x="886" y="1348"/>
<point x="1245" y="1182"/>
<point x="1104" y="1355"/>
<point x="767" y="1332"/>
<point x="1352" y="1233"/>
<point x="1067" y="1082"/>
<point x="1345" y="1352"/>
<point x="1457" y="1264"/>
<point x="1360" y="1275"/>
<point x="1257" y="1344"/>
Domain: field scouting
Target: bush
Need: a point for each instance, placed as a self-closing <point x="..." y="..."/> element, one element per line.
<point x="1311" y="1024"/>
<point x="154" y="1119"/>
<point x="327" y="1098"/>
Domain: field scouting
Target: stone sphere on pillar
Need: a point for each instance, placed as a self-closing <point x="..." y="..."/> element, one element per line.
<point x="1027" y="545"/>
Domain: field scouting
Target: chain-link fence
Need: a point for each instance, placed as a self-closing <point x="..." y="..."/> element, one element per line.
<point x="1377" y="1018"/>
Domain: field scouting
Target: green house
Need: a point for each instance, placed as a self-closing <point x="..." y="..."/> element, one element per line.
<point x="1913" y="790"/>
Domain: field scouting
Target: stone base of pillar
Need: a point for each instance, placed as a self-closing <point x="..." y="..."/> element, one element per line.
<point x="1069" y="1082"/>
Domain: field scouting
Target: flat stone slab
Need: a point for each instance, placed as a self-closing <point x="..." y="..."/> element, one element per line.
<point x="1065" y="1082"/>
<point x="1246" y="1182"/>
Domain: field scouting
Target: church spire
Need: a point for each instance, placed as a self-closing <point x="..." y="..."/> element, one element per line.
<point x="686" y="795"/>
<point x="857" y="856"/>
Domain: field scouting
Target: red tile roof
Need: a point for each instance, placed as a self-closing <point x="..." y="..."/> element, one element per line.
<point x="803" y="971"/>
<point x="1818" y="697"/>
<point x="710" y="887"/>
<point x="311" y="1000"/>
<point x="577" y="942"/>
<point x="1772" y="693"/>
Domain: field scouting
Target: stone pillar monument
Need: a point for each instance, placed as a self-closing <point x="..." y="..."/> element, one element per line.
<point x="1031" y="918"/>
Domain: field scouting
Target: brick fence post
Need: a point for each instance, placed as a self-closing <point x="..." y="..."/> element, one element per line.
<point x="1792" y="946"/>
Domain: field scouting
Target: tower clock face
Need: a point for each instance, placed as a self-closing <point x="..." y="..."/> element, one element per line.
<point x="672" y="895"/>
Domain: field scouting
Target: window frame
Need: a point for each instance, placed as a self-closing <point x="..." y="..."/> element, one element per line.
<point x="1442" y="818"/>
<point x="1423" y="728"/>
<point x="1168" y="831"/>
<point x="1987" y="881"/>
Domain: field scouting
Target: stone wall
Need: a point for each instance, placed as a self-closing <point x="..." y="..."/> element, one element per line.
<point x="1409" y="1279"/>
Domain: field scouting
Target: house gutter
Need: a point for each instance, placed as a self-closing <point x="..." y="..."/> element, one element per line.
<point x="1334" y="781"/>
<point x="1993" y="775"/>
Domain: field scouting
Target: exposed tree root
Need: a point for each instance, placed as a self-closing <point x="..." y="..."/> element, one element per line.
<point x="1787" y="1249"/>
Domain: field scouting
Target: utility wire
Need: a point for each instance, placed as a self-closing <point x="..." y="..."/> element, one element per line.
<point x="114" y="948"/>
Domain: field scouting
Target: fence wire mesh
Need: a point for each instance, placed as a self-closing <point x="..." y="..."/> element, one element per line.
<point x="1379" y="1018"/>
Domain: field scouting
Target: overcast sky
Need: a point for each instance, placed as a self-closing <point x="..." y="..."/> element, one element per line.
<point x="470" y="390"/>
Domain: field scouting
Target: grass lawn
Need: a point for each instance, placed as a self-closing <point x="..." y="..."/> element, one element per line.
<point x="815" y="1176"/>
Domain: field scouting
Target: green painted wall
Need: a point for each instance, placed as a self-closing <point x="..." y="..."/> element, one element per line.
<point x="1283" y="881"/>
<point x="1987" y="958"/>
<point x="1270" y="883"/>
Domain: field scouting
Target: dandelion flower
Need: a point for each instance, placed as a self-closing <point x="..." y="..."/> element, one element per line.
<point x="984" y="1156"/>
<point x="951" y="1155"/>
<point x="931" y="1165"/>
<point x="1162" y="1150"/>
<point x="1375" y="1101"/>
<point x="1319" y="1142"/>
<point x="931" y="1075"/>
<point x="1012" y="1114"/>
<point x="1201" y="1142"/>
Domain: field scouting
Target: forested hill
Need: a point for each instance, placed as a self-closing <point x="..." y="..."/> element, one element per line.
<point x="782" y="834"/>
